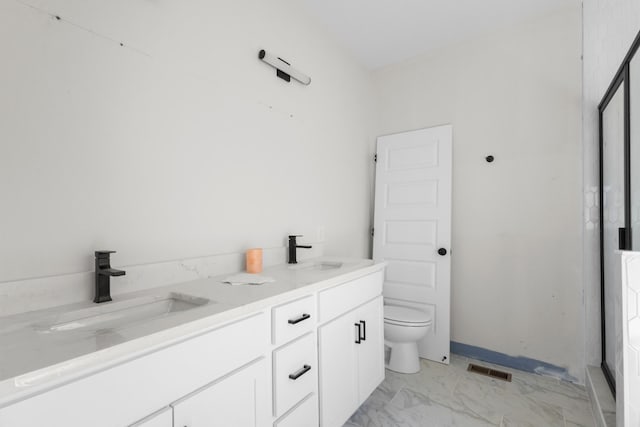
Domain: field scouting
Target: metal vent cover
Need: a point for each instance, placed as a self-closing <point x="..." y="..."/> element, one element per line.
<point x="505" y="376"/>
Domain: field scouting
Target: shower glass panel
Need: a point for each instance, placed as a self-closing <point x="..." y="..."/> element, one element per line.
<point x="613" y="220"/>
<point x="634" y="151"/>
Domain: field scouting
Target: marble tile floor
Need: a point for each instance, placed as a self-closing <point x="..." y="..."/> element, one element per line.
<point x="442" y="396"/>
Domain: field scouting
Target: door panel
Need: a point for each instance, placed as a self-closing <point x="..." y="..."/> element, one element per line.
<point x="613" y="216"/>
<point x="371" y="349"/>
<point x="634" y="151"/>
<point x="238" y="400"/>
<point x="338" y="371"/>
<point x="413" y="221"/>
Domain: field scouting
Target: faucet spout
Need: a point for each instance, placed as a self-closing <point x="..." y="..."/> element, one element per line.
<point x="103" y="275"/>
<point x="293" y="245"/>
<point x="112" y="272"/>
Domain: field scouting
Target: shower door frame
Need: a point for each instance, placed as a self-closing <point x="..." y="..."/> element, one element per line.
<point x="621" y="79"/>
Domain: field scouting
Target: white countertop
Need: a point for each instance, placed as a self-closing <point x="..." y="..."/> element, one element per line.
<point x="32" y="361"/>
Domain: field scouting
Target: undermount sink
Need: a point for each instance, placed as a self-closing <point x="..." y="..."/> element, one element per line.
<point x="121" y="314"/>
<point x="316" y="265"/>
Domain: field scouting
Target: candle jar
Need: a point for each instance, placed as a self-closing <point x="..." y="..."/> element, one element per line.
<point x="254" y="260"/>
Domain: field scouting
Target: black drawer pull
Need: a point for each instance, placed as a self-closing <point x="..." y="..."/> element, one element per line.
<point x="364" y="330"/>
<point x="358" y="333"/>
<point x="305" y="316"/>
<point x="301" y="372"/>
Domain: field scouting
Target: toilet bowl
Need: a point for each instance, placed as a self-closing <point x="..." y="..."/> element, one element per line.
<point x="403" y="328"/>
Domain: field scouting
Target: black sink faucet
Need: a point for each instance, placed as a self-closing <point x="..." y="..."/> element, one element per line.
<point x="292" y="249"/>
<point x="103" y="276"/>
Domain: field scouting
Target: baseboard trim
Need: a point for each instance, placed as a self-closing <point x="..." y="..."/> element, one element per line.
<point x="516" y="362"/>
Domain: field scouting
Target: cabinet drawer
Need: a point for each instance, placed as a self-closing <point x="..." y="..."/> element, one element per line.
<point x="293" y="319"/>
<point x="338" y="300"/>
<point x="295" y="373"/>
<point x="305" y="414"/>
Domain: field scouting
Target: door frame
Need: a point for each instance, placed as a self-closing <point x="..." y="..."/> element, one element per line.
<point x="621" y="78"/>
<point x="621" y="81"/>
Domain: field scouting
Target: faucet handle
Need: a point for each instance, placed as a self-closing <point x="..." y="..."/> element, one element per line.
<point x="104" y="254"/>
<point x="292" y="238"/>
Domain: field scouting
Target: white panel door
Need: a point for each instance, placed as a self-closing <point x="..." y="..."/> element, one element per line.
<point x="338" y="370"/>
<point x="412" y="226"/>
<point x="371" y="348"/>
<point x="238" y="400"/>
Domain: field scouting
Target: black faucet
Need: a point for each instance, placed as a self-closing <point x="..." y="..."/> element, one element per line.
<point x="292" y="249"/>
<point x="103" y="276"/>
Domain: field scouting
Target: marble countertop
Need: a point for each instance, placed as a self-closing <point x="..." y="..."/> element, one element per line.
<point x="33" y="359"/>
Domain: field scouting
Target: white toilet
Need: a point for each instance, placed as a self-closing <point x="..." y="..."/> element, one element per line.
<point x="403" y="328"/>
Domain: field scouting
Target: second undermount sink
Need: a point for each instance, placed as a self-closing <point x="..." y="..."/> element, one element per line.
<point x="316" y="265"/>
<point x="122" y="313"/>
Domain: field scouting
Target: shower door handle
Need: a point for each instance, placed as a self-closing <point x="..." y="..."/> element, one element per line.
<point x="622" y="238"/>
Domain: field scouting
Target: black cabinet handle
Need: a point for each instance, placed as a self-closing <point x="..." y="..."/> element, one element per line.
<point x="305" y="316"/>
<point x="301" y="372"/>
<point x="358" y="336"/>
<point x="442" y="251"/>
<point x="364" y="330"/>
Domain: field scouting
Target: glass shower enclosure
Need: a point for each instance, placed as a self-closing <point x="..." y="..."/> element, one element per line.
<point x="619" y="114"/>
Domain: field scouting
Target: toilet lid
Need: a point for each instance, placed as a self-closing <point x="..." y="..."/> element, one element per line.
<point x="405" y="315"/>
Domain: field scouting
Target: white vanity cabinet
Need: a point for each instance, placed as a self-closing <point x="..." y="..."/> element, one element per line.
<point x="239" y="399"/>
<point x="351" y="350"/>
<point x="307" y="360"/>
<point x="128" y="392"/>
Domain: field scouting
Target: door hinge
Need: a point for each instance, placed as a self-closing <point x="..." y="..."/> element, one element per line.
<point x="372" y="231"/>
<point x="375" y="157"/>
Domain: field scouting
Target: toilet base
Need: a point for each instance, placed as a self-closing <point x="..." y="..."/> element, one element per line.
<point x="403" y="358"/>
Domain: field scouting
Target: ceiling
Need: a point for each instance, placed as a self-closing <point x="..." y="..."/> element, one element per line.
<point x="383" y="32"/>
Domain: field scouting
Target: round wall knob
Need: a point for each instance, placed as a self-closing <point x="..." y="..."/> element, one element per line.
<point x="442" y="251"/>
<point x="489" y="159"/>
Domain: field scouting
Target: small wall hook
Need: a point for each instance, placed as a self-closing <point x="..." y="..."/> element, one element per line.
<point x="489" y="159"/>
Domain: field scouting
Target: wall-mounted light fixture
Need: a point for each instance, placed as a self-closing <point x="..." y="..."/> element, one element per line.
<point x="283" y="68"/>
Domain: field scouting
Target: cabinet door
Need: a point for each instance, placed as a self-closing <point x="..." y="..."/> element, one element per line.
<point x="371" y="349"/>
<point x="163" y="418"/>
<point x="238" y="400"/>
<point x="338" y="371"/>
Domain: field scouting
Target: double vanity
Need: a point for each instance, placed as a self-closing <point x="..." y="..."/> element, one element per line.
<point x="304" y="350"/>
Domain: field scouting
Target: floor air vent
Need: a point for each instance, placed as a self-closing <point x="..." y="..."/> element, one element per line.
<point x="489" y="372"/>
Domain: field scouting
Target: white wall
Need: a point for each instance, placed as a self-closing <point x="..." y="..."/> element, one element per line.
<point x="609" y="29"/>
<point x="181" y="143"/>
<point x="516" y="251"/>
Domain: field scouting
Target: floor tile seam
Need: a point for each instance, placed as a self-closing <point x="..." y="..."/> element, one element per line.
<point x="455" y="386"/>
<point x="390" y="402"/>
